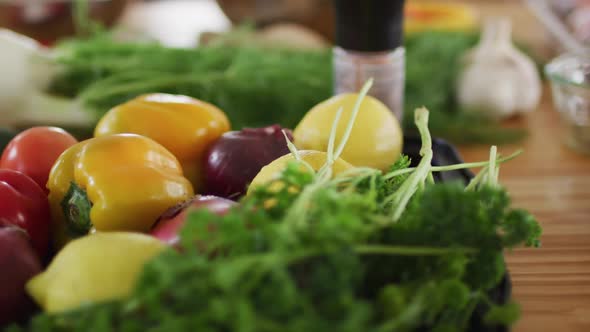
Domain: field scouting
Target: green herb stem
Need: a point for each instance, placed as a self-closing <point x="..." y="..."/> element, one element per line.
<point x="293" y="149"/>
<point x="454" y="167"/>
<point x="401" y="198"/>
<point x="409" y="250"/>
<point x="492" y="168"/>
<point x="474" y="183"/>
<point x="333" y="135"/>
<point x="355" y="111"/>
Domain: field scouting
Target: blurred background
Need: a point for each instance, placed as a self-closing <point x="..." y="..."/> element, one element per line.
<point x="541" y="29"/>
<point x="172" y="46"/>
<point x="180" y="22"/>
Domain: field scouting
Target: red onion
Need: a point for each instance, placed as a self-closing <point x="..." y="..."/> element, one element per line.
<point x="236" y="157"/>
<point x="18" y="263"/>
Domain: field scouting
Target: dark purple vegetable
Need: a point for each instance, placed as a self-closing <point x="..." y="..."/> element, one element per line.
<point x="18" y="263"/>
<point x="237" y="156"/>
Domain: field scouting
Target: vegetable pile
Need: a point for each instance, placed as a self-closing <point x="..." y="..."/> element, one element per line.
<point x="315" y="243"/>
<point x="256" y="86"/>
<point x="25" y="219"/>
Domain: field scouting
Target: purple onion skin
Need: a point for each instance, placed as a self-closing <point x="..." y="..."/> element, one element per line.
<point x="18" y="263"/>
<point x="233" y="161"/>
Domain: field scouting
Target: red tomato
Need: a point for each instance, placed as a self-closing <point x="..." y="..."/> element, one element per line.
<point x="168" y="227"/>
<point x="23" y="204"/>
<point x="34" y="151"/>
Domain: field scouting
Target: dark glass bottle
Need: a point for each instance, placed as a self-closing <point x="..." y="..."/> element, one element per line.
<point x="369" y="36"/>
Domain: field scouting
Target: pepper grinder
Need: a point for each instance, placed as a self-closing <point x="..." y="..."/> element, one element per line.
<point x="369" y="36"/>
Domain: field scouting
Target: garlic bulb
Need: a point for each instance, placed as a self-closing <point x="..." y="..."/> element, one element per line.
<point x="497" y="78"/>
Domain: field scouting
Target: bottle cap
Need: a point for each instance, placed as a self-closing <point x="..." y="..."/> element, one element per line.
<point x="369" y="25"/>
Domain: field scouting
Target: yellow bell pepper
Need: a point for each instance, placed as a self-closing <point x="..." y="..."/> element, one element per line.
<point x="113" y="183"/>
<point x="429" y="15"/>
<point x="183" y="125"/>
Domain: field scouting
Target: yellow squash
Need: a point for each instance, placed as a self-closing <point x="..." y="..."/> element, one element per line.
<point x="98" y="267"/>
<point x="183" y="125"/>
<point x="113" y="183"/>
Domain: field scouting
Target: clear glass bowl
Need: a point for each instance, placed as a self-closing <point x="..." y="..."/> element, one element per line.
<point x="569" y="75"/>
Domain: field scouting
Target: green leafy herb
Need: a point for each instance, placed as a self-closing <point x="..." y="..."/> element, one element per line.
<point x="256" y="86"/>
<point x="253" y="86"/>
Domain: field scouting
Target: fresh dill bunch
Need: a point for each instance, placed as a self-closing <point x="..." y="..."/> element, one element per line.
<point x="253" y="86"/>
<point x="256" y="85"/>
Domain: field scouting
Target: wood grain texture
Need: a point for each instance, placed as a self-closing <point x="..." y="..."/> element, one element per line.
<point x="551" y="283"/>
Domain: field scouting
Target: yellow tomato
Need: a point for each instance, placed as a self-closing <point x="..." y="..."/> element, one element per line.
<point x="376" y="139"/>
<point x="316" y="159"/>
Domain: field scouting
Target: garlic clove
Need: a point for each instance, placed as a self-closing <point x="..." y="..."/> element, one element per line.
<point x="530" y="95"/>
<point x="497" y="79"/>
<point x="481" y="92"/>
<point x="525" y="69"/>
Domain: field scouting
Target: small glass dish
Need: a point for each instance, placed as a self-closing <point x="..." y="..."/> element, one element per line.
<point x="569" y="75"/>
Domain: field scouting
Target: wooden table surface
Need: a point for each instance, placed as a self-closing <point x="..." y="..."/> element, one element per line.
<point x="551" y="283"/>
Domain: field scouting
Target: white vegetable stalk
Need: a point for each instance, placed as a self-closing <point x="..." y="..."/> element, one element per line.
<point x="16" y="72"/>
<point x="498" y="79"/>
<point x="25" y="70"/>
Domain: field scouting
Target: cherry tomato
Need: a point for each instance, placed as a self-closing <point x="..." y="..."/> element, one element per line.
<point x="35" y="150"/>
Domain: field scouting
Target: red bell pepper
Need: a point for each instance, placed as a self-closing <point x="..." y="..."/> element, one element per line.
<point x="23" y="204"/>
